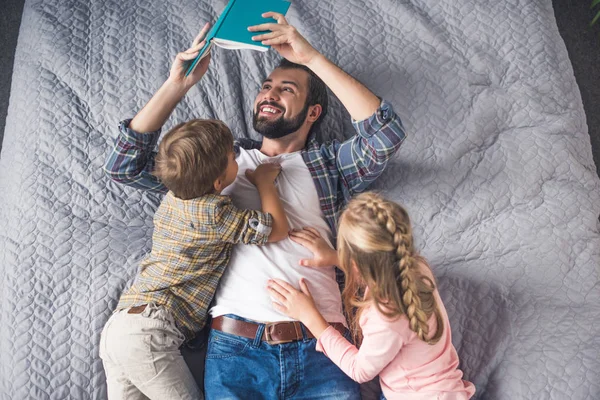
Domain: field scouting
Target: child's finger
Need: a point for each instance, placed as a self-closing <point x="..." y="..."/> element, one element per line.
<point x="304" y="235"/>
<point x="313" y="230"/>
<point x="304" y="287"/>
<point x="299" y="240"/>
<point x="307" y="263"/>
<point x="283" y="285"/>
<point x="280" y="307"/>
<point x="275" y="295"/>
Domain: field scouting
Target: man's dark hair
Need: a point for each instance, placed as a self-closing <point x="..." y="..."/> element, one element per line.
<point x="317" y="90"/>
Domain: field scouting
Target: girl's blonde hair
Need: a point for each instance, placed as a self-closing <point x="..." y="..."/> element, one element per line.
<point x="375" y="237"/>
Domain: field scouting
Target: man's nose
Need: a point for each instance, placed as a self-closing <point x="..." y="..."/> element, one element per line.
<point x="271" y="95"/>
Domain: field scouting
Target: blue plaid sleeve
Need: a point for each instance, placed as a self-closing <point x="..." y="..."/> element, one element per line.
<point x="363" y="158"/>
<point x="131" y="160"/>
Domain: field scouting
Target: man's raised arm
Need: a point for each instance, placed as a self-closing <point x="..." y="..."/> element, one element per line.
<point x="132" y="159"/>
<point x="380" y="133"/>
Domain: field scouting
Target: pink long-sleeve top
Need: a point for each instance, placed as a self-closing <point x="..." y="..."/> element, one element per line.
<point x="408" y="367"/>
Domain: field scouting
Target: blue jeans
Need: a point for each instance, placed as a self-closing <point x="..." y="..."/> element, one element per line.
<point x="242" y="368"/>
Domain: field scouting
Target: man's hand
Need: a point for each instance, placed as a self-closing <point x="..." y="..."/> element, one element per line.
<point x="285" y="39"/>
<point x="264" y="174"/>
<point x="181" y="63"/>
<point x="323" y="254"/>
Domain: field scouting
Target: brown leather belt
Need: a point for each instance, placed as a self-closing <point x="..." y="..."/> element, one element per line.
<point x="137" y="310"/>
<point x="274" y="333"/>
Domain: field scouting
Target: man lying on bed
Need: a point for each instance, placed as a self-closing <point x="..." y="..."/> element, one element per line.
<point x="255" y="351"/>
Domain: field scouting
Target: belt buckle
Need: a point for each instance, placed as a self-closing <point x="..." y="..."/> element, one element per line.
<point x="269" y="339"/>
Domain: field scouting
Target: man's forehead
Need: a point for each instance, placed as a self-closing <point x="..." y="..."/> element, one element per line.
<point x="292" y="76"/>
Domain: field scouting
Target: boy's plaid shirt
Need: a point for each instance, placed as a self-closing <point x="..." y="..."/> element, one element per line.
<point x="339" y="170"/>
<point x="191" y="246"/>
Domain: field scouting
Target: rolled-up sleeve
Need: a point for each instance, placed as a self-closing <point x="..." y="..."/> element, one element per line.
<point x="363" y="158"/>
<point x="131" y="160"/>
<point x="245" y="226"/>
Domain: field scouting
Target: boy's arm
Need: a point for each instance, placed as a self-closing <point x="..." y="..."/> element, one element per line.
<point x="264" y="180"/>
<point x="132" y="159"/>
<point x="271" y="204"/>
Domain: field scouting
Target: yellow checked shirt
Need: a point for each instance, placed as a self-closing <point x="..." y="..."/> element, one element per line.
<point x="191" y="245"/>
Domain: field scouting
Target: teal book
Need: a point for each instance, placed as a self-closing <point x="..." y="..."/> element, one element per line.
<point x="231" y="29"/>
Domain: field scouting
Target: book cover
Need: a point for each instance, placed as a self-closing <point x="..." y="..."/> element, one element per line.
<point x="231" y="29"/>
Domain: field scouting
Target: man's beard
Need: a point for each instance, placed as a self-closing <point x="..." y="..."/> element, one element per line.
<point x="280" y="127"/>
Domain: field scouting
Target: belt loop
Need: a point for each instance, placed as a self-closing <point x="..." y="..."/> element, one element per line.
<point x="305" y="337"/>
<point x="259" y="335"/>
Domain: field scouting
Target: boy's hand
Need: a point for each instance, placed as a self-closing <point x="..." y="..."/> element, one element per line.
<point x="323" y="254"/>
<point x="285" y="39"/>
<point x="183" y="59"/>
<point x="263" y="174"/>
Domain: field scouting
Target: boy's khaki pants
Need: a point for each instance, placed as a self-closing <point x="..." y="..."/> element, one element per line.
<point x="141" y="357"/>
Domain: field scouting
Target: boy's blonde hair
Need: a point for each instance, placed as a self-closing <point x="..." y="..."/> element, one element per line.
<point x="376" y="235"/>
<point x="192" y="156"/>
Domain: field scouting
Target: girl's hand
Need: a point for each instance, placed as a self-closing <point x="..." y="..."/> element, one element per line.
<point x="285" y="39"/>
<point x="297" y="304"/>
<point x="323" y="254"/>
<point x="182" y="60"/>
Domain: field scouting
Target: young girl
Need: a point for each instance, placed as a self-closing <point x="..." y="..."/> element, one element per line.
<point x="400" y="322"/>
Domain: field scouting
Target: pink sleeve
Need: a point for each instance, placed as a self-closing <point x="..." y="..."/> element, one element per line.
<point x="381" y="343"/>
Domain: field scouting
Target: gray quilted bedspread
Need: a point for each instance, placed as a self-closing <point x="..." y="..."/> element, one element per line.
<point x="497" y="174"/>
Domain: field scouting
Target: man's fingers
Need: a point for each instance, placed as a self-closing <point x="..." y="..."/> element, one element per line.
<point x="195" y="48"/>
<point x="280" y="18"/>
<point x="201" y="35"/>
<point x="187" y="56"/>
<point x="270" y="35"/>
<point x="269" y="26"/>
<point x="278" y="40"/>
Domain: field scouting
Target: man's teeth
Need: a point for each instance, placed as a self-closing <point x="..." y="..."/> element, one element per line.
<point x="269" y="110"/>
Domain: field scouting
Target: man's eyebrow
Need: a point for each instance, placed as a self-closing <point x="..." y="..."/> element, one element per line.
<point x="284" y="82"/>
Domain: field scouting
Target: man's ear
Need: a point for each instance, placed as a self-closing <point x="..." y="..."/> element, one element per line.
<point x="314" y="112"/>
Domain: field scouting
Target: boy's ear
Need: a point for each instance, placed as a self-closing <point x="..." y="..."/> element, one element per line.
<point x="218" y="185"/>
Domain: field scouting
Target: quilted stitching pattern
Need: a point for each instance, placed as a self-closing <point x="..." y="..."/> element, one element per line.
<point x="497" y="173"/>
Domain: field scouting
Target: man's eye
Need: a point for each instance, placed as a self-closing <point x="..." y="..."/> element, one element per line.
<point x="266" y="87"/>
<point x="289" y="90"/>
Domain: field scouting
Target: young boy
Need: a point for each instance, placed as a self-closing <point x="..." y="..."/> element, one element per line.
<point x="194" y="231"/>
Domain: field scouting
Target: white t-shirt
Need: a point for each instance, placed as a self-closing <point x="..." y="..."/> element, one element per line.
<point x="242" y="290"/>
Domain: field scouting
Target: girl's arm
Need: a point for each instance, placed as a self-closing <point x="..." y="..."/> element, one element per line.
<point x="381" y="343"/>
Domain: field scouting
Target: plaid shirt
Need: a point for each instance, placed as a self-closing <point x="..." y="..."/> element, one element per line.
<point x="339" y="170"/>
<point x="191" y="246"/>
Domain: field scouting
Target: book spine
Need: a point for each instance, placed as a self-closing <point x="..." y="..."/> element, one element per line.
<point x="209" y="37"/>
